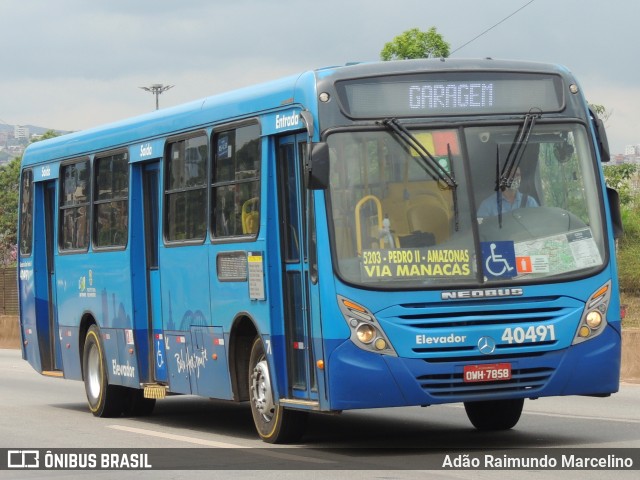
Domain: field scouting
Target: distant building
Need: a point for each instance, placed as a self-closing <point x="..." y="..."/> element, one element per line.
<point x="632" y="150"/>
<point x="20" y="132"/>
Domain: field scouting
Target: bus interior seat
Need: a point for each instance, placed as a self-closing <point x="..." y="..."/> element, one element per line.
<point x="251" y="216"/>
<point x="427" y="215"/>
<point x="419" y="214"/>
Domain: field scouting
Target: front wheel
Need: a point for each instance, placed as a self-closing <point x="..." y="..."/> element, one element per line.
<point x="494" y="414"/>
<point x="104" y="400"/>
<point x="274" y="423"/>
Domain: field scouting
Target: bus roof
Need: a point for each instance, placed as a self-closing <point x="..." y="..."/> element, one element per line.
<point x="246" y="102"/>
<point x="204" y="112"/>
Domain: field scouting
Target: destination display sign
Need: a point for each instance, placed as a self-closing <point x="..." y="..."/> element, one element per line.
<point x="451" y="93"/>
<point x="412" y="263"/>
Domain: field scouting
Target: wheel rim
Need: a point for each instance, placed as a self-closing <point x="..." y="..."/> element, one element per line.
<point x="93" y="372"/>
<point x="261" y="391"/>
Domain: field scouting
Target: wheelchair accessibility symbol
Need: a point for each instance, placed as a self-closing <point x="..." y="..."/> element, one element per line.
<point x="499" y="259"/>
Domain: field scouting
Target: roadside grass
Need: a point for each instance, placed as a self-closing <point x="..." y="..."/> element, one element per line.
<point x="631" y="305"/>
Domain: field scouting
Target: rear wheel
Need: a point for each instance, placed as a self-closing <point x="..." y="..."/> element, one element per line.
<point x="494" y="414"/>
<point x="104" y="400"/>
<point x="274" y="423"/>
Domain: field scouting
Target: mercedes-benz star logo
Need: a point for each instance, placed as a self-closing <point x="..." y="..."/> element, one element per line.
<point x="486" y="345"/>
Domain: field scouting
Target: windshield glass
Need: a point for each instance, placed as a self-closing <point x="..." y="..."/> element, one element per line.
<point x="399" y="223"/>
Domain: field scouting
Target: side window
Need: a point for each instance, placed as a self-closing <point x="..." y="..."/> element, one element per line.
<point x="74" y="206"/>
<point x="186" y="189"/>
<point x="236" y="182"/>
<point x="110" y="205"/>
<point x="26" y="213"/>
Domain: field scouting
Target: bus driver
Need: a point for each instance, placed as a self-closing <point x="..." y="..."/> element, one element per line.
<point x="512" y="199"/>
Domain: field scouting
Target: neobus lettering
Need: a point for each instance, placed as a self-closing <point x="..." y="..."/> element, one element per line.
<point x="461" y="95"/>
<point x="488" y="293"/>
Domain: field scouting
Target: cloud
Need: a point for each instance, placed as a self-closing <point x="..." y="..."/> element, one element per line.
<point x="77" y="63"/>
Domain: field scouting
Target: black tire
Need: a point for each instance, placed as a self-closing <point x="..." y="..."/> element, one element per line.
<point x="104" y="400"/>
<point x="274" y="423"/>
<point x="494" y="415"/>
<point x="137" y="405"/>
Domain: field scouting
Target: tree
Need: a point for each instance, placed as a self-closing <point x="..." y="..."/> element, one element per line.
<point x="618" y="177"/>
<point x="415" y="43"/>
<point x="9" y="188"/>
<point x="47" y="135"/>
<point x="601" y="111"/>
<point x="9" y="195"/>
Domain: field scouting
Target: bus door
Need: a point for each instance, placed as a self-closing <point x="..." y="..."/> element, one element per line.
<point x="297" y="286"/>
<point x="150" y="195"/>
<point x="44" y="243"/>
<point x="145" y="273"/>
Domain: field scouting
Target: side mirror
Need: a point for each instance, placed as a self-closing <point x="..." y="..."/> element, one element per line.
<point x="614" y="209"/>
<point x="603" y="143"/>
<point x="601" y="136"/>
<point x="317" y="168"/>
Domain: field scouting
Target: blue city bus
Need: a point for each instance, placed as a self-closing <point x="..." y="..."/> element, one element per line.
<point x="372" y="235"/>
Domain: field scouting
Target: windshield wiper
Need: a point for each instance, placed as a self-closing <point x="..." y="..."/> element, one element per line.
<point x="504" y="177"/>
<point x="514" y="157"/>
<point x="429" y="164"/>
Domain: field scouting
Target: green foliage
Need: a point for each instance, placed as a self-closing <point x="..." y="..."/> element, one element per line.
<point x="618" y="177"/>
<point x="47" y="135"/>
<point x="9" y="188"/>
<point x="9" y="197"/>
<point x="415" y="43"/>
<point x="601" y="111"/>
<point x="629" y="251"/>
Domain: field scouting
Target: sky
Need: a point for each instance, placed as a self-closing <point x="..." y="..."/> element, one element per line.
<point x="76" y="64"/>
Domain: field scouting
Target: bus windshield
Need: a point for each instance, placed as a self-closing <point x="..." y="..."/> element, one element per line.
<point x="496" y="208"/>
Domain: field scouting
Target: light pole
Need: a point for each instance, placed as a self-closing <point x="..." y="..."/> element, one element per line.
<point x="157" y="89"/>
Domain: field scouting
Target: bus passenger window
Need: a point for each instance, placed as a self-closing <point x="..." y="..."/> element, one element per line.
<point x="74" y="206"/>
<point x="111" y="211"/>
<point x="235" y="182"/>
<point x="186" y="189"/>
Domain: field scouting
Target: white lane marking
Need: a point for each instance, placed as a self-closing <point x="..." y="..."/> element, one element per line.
<point x="214" y="444"/>
<point x="583" y="417"/>
<point x="173" y="436"/>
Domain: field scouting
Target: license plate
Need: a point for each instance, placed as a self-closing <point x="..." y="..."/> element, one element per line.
<point x="494" y="372"/>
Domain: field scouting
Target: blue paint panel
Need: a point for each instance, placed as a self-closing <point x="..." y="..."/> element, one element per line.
<point x="178" y="354"/>
<point x="185" y="292"/>
<point x="68" y="340"/>
<point x="123" y="369"/>
<point x="209" y="363"/>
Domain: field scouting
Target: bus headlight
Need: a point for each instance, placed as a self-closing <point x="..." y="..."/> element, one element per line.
<point x="366" y="332"/>
<point x="594" y="319"/>
<point x="594" y="316"/>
